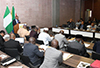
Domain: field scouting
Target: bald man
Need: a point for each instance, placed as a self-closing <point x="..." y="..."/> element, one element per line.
<point x="61" y="39"/>
<point x="12" y="43"/>
<point x="32" y="51"/>
<point x="52" y="56"/>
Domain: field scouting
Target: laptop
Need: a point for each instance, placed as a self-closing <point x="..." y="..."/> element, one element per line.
<point x="21" y="40"/>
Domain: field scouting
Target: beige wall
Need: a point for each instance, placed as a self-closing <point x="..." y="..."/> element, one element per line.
<point x="39" y="12"/>
<point x="34" y="12"/>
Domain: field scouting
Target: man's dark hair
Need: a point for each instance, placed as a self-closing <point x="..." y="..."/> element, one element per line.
<point x="33" y="27"/>
<point x="2" y="31"/>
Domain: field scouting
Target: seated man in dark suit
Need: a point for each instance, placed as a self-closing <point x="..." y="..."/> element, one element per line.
<point x="2" y="33"/>
<point x="32" y="51"/>
<point x="82" y="26"/>
<point x="96" y="47"/>
<point x="79" y="44"/>
<point x="12" y="43"/>
<point x="71" y="24"/>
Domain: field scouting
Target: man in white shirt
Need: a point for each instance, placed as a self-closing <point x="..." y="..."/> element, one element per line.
<point x="45" y="37"/>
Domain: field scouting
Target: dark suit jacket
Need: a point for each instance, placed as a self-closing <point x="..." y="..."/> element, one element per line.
<point x="71" y="25"/>
<point x="97" y="47"/>
<point x="84" y="26"/>
<point x="32" y="52"/>
<point x="78" y="46"/>
<point x="1" y="42"/>
<point x="13" y="44"/>
<point x="33" y="34"/>
<point x="14" y="22"/>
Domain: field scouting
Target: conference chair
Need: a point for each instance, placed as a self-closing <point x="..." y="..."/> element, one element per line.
<point x="27" y="38"/>
<point x="25" y="60"/>
<point x="73" y="50"/>
<point x="95" y="56"/>
<point x="13" y="52"/>
<point x="39" y="42"/>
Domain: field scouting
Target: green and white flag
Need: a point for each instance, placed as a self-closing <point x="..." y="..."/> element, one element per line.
<point x="7" y="21"/>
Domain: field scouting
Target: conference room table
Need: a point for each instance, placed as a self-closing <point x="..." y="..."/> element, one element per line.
<point x="75" y="60"/>
<point x="17" y="63"/>
<point x="90" y="34"/>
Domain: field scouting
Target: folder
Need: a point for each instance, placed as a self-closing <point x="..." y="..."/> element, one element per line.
<point x="96" y="64"/>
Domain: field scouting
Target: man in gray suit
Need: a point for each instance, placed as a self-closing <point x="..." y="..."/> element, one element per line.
<point x="32" y="51"/>
<point x="52" y="56"/>
<point x="61" y="39"/>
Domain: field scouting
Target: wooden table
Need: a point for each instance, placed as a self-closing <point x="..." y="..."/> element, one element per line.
<point x="91" y="45"/>
<point x="75" y="60"/>
<point x="17" y="63"/>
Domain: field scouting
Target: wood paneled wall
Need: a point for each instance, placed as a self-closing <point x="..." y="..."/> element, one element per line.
<point x="94" y="5"/>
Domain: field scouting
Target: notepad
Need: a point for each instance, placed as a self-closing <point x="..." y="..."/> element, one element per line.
<point x="44" y="47"/>
<point x="83" y="64"/>
<point x="15" y="67"/>
<point x="71" y="40"/>
<point x="66" y="56"/>
<point x="87" y="45"/>
<point x="3" y="56"/>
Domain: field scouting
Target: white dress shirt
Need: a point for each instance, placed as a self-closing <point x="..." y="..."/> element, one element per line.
<point x="45" y="37"/>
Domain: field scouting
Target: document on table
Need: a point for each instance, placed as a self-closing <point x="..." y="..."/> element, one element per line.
<point x="71" y="40"/>
<point x="83" y="64"/>
<point x="15" y="67"/>
<point x="44" y="47"/>
<point x="3" y="56"/>
<point x="87" y="45"/>
<point x="66" y="56"/>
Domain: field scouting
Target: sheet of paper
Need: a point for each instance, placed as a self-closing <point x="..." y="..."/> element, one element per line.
<point x="3" y="56"/>
<point x="87" y="45"/>
<point x="15" y="67"/>
<point x="21" y="25"/>
<point x="66" y="56"/>
<point x="71" y="40"/>
<point x="44" y="47"/>
<point x="83" y="64"/>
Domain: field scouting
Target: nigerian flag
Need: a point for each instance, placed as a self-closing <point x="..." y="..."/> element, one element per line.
<point x="7" y="21"/>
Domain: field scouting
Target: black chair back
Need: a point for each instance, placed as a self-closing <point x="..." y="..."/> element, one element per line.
<point x="73" y="50"/>
<point x="39" y="42"/>
<point x="13" y="52"/>
<point x="95" y="56"/>
<point x="25" y="60"/>
<point x="27" y="38"/>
